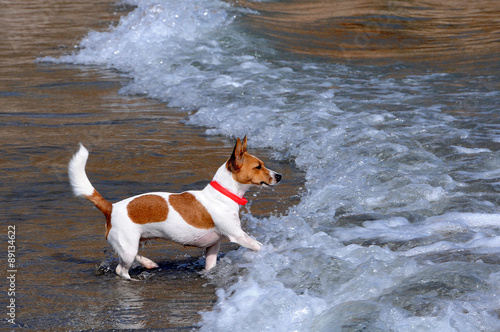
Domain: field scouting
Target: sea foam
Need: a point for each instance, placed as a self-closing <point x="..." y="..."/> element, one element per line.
<point x="397" y="226"/>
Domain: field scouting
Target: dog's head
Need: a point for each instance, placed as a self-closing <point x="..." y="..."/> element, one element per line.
<point x="248" y="169"/>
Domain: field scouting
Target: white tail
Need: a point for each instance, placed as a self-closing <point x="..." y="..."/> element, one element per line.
<point x="82" y="186"/>
<point x="77" y="176"/>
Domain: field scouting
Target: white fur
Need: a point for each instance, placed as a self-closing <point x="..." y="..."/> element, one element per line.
<point x="77" y="176"/>
<point x="125" y="235"/>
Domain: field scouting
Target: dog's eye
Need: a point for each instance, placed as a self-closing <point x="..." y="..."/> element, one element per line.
<point x="258" y="167"/>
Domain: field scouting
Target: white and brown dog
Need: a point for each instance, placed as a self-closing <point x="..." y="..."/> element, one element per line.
<point x="196" y="218"/>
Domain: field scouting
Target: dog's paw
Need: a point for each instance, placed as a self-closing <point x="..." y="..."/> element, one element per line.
<point x="146" y="262"/>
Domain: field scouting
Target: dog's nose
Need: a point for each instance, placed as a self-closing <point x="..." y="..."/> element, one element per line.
<point x="277" y="177"/>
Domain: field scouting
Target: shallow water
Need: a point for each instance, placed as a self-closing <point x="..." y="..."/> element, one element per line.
<point x="64" y="277"/>
<point x="429" y="32"/>
<point x="398" y="136"/>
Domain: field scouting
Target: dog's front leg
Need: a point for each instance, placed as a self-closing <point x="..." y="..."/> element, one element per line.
<point x="230" y="226"/>
<point x="211" y="255"/>
<point x="243" y="239"/>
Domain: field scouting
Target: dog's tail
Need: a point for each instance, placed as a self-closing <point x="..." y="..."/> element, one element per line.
<point x="82" y="186"/>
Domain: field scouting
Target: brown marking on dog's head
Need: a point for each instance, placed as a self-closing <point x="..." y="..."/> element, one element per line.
<point x="235" y="161"/>
<point x="246" y="168"/>
<point x="191" y="210"/>
<point x="147" y="209"/>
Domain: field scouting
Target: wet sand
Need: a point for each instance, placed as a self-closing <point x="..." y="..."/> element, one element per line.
<point x="137" y="145"/>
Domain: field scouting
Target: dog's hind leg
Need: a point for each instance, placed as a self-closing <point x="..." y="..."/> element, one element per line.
<point x="146" y="262"/>
<point x="126" y="246"/>
<point x="126" y="260"/>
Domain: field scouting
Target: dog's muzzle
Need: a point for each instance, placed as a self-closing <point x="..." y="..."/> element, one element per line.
<point x="277" y="177"/>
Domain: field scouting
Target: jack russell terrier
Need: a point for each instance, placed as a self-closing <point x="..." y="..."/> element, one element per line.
<point x="196" y="218"/>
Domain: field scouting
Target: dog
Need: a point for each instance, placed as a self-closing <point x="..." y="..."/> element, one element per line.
<point x="195" y="218"/>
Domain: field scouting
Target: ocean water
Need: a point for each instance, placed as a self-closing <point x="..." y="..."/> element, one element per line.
<point x="398" y="225"/>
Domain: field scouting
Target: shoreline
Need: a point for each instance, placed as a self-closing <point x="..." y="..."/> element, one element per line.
<point x="136" y="144"/>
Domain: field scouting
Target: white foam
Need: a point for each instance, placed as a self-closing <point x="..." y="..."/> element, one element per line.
<point x="252" y="303"/>
<point x="384" y="194"/>
<point x="464" y="150"/>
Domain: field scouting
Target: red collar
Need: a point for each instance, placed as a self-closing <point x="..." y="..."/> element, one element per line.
<point x="225" y="192"/>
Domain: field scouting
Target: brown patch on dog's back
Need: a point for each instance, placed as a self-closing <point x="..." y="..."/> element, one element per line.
<point x="147" y="209"/>
<point x="193" y="212"/>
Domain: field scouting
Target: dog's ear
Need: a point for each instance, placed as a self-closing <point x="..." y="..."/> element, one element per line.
<point x="244" y="145"/>
<point x="236" y="160"/>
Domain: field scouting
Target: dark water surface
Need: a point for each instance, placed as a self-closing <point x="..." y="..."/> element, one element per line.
<point x="446" y="35"/>
<point x="446" y="58"/>
<point x="136" y="144"/>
